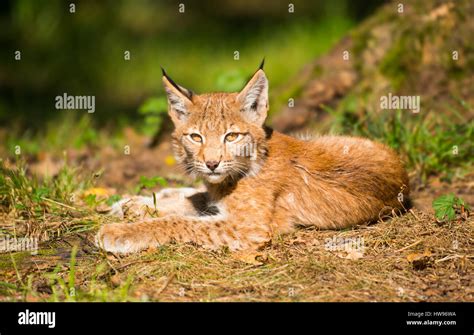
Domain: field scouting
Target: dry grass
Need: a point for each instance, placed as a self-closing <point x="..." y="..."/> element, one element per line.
<point x="407" y="258"/>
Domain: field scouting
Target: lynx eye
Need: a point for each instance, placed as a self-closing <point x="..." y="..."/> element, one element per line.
<point x="196" y="137"/>
<point x="232" y="137"/>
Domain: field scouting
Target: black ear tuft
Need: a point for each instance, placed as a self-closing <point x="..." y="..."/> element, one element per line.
<point x="184" y="91"/>
<point x="171" y="80"/>
<point x="262" y="64"/>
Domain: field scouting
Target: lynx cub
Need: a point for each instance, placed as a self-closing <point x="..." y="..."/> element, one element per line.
<point x="259" y="183"/>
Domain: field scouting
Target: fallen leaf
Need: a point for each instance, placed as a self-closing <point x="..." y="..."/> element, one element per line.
<point x="298" y="241"/>
<point x="46" y="166"/>
<point x="439" y="12"/>
<point x="354" y="254"/>
<point x="103" y="208"/>
<point x="350" y="253"/>
<point x="419" y="261"/>
<point x="430" y="292"/>
<point x="416" y="256"/>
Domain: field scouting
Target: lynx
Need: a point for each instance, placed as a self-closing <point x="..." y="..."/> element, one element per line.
<point x="259" y="183"/>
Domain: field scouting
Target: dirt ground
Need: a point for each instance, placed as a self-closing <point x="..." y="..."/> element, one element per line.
<point x="410" y="257"/>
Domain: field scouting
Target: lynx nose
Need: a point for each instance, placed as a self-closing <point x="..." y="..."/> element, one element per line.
<point x="212" y="165"/>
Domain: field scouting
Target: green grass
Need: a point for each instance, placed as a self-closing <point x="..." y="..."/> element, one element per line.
<point x="46" y="209"/>
<point x="63" y="283"/>
<point x="33" y="198"/>
<point x="429" y="144"/>
<point x="68" y="132"/>
<point x="27" y="201"/>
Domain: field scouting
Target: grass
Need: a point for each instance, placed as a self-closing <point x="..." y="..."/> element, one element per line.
<point x="65" y="133"/>
<point x="27" y="197"/>
<point x="295" y="268"/>
<point x="46" y="209"/>
<point x="429" y="144"/>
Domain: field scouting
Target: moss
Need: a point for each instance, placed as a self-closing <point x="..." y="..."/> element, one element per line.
<point x="363" y="34"/>
<point x="401" y="61"/>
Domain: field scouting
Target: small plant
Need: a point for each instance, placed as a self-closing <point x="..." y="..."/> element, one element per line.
<point x="154" y="111"/>
<point x="66" y="286"/>
<point x="446" y="207"/>
<point x="113" y="199"/>
<point x="147" y="183"/>
<point x="91" y="200"/>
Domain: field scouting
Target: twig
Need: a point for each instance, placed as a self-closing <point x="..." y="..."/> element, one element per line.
<point x="447" y="258"/>
<point x="413" y="212"/>
<point x="59" y="203"/>
<point x="409" y="246"/>
<point x="168" y="281"/>
<point x="133" y="262"/>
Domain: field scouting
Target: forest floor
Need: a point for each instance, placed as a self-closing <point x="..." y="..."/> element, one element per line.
<point x="410" y="257"/>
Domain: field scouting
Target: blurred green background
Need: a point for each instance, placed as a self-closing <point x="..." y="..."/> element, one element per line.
<point x="82" y="53"/>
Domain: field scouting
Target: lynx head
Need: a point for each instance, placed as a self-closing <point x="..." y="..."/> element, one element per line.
<point x="219" y="136"/>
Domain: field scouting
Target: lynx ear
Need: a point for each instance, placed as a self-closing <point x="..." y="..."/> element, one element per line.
<point x="254" y="98"/>
<point x="179" y="99"/>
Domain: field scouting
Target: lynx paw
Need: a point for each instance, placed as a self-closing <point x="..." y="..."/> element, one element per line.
<point x="164" y="202"/>
<point x="123" y="238"/>
<point x="137" y="206"/>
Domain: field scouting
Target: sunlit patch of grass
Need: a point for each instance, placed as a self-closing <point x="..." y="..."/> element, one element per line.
<point x="71" y="282"/>
<point x="30" y="197"/>
<point x="68" y="131"/>
<point x="65" y="286"/>
<point x="45" y="209"/>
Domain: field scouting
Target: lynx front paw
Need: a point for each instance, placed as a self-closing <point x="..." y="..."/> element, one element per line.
<point x="123" y="238"/>
<point x="137" y="206"/>
<point x="168" y="200"/>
